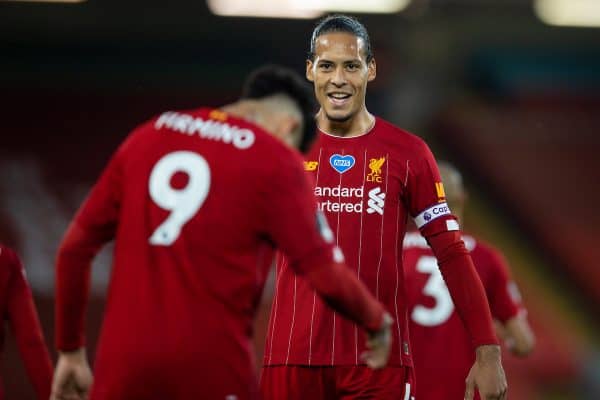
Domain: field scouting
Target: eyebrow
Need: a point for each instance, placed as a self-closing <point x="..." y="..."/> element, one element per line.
<point x="354" y="60"/>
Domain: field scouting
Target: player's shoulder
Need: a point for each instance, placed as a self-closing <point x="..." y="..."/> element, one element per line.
<point x="254" y="143"/>
<point x="471" y="243"/>
<point x="480" y="246"/>
<point x="414" y="240"/>
<point x="395" y="133"/>
<point x="487" y="256"/>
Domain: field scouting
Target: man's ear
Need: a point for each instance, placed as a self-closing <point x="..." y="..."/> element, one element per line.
<point x="372" y="70"/>
<point x="309" y="70"/>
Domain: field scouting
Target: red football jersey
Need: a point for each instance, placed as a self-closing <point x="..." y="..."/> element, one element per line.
<point x="443" y="353"/>
<point x="197" y="202"/>
<point x="367" y="186"/>
<point x="17" y="306"/>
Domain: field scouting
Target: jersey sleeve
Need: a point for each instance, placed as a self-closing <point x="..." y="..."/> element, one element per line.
<point x="503" y="294"/>
<point x="464" y="285"/>
<point x="293" y="222"/>
<point x="427" y="204"/>
<point x="27" y="330"/>
<point x="426" y="200"/>
<point x="94" y="224"/>
<point x="301" y="232"/>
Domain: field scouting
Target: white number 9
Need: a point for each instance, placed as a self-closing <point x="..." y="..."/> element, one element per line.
<point x="183" y="203"/>
<point x="436" y="288"/>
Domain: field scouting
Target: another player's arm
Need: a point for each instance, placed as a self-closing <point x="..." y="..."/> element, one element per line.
<point x="27" y="330"/>
<point x="443" y="235"/>
<point x="94" y="225"/>
<point x="302" y="233"/>
<point x="507" y="308"/>
<point x="518" y="335"/>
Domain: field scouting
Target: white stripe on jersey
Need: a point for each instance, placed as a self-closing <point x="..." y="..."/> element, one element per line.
<point x="333" y="342"/>
<point x="407" y="391"/>
<point x="397" y="317"/>
<point x="360" y="235"/>
<point x="337" y="242"/>
<point x="311" y="328"/>
<point x="387" y="179"/>
<point x="292" y="326"/>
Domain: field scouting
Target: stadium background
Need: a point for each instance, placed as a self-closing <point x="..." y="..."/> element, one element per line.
<point x="510" y="100"/>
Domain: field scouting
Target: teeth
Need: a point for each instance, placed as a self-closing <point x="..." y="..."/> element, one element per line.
<point x="339" y="95"/>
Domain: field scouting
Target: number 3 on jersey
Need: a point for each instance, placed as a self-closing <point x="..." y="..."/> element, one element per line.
<point x="183" y="203"/>
<point x="436" y="288"/>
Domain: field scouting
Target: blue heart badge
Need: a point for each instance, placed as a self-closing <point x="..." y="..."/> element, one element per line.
<point x="341" y="163"/>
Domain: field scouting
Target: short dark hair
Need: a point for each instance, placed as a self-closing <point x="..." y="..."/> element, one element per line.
<point x="273" y="79"/>
<point x="340" y="23"/>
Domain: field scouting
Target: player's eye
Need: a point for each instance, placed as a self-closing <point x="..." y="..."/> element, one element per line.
<point x="353" y="67"/>
<point x="325" y="66"/>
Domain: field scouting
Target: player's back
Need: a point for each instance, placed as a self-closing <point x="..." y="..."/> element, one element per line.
<point x="190" y="254"/>
<point x="443" y="353"/>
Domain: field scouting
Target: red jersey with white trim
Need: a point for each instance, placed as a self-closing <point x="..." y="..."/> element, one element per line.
<point x="442" y="346"/>
<point x="18" y="308"/>
<point x="196" y="201"/>
<point x="367" y="186"/>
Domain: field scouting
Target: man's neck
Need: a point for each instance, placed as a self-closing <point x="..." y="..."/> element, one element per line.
<point x="359" y="124"/>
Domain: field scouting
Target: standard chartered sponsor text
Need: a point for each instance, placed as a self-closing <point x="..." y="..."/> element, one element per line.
<point x="340" y="199"/>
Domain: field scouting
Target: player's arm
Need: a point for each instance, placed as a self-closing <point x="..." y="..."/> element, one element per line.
<point x="426" y="201"/>
<point x="507" y="308"/>
<point x="518" y="335"/>
<point x="468" y="295"/>
<point x="27" y="330"/>
<point x="94" y="225"/>
<point x="302" y="233"/>
<point x="342" y="291"/>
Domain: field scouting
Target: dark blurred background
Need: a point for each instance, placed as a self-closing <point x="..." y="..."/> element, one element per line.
<point x="513" y="101"/>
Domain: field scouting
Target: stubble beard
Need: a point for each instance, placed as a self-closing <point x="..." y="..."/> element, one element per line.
<point x="339" y="119"/>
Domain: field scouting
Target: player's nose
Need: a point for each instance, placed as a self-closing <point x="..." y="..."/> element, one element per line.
<point x="338" y="78"/>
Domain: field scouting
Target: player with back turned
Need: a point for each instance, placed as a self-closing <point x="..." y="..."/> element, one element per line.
<point x="439" y="340"/>
<point x="370" y="176"/>
<point x="17" y="307"/>
<point x="197" y="201"/>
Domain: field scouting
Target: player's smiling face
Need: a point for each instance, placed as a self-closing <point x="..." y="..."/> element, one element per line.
<point x="340" y="73"/>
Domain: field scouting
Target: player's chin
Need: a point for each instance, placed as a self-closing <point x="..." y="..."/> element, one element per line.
<point x="338" y="115"/>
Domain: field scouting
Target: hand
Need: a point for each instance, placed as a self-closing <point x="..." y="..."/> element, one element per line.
<point x="487" y="375"/>
<point x="72" y="377"/>
<point x="379" y="344"/>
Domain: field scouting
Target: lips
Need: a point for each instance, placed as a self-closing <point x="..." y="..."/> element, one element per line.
<point x="339" y="98"/>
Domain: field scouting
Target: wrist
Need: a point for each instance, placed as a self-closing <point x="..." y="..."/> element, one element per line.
<point x="386" y="322"/>
<point x="75" y="355"/>
<point x="488" y="352"/>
